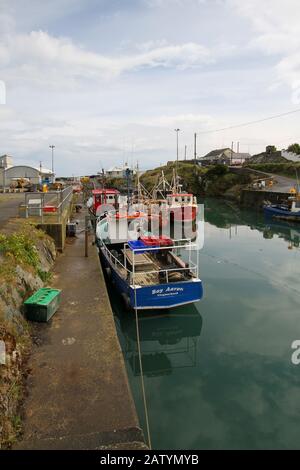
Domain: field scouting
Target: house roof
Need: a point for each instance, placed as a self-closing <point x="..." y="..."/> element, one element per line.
<point x="217" y="152"/>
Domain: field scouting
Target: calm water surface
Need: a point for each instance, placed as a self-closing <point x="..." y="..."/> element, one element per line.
<point x="219" y="374"/>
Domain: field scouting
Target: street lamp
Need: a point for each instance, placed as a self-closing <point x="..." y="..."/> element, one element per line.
<point x="52" y="147"/>
<point x="177" y="131"/>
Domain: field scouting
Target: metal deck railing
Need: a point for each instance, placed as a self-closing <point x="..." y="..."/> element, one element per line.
<point x="48" y="207"/>
<point x="132" y="274"/>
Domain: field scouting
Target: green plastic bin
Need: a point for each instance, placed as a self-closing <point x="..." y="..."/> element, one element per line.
<point x="42" y="305"/>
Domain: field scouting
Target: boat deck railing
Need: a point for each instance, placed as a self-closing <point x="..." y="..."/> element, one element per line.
<point x="132" y="275"/>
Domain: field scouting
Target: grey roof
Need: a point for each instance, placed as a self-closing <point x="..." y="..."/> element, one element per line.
<point x="216" y="153"/>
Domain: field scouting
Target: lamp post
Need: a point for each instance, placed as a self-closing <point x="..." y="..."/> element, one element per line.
<point x="52" y="147"/>
<point x="177" y="131"/>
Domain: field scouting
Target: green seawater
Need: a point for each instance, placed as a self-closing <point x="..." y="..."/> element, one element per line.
<point x="218" y="374"/>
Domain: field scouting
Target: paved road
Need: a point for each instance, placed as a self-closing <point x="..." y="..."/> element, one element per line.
<point x="283" y="184"/>
<point x="9" y="206"/>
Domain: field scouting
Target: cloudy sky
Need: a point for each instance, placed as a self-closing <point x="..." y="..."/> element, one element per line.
<point x="107" y="81"/>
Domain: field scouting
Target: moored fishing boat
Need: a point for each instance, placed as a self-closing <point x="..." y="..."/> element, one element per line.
<point x="182" y="207"/>
<point x="149" y="272"/>
<point x="105" y="199"/>
<point x="288" y="211"/>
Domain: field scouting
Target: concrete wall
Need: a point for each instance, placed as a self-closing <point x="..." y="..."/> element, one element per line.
<point x="256" y="199"/>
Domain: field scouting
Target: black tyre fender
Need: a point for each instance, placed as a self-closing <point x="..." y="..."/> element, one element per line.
<point x="108" y="273"/>
<point x="126" y="302"/>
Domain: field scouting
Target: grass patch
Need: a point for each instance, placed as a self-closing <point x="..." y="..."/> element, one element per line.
<point x="44" y="275"/>
<point x="20" y="248"/>
<point x="283" y="169"/>
<point x="189" y="176"/>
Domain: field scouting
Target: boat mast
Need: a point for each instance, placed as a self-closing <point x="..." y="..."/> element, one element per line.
<point x="161" y="188"/>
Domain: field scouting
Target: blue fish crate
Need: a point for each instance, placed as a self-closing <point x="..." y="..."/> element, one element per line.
<point x="137" y="245"/>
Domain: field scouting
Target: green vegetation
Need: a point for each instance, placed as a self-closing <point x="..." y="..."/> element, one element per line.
<point x="190" y="176"/>
<point x="217" y="170"/>
<point x="224" y="184"/>
<point x="271" y="149"/>
<point x="213" y="181"/>
<point x="295" y="148"/>
<point x="284" y="169"/>
<point x="19" y="247"/>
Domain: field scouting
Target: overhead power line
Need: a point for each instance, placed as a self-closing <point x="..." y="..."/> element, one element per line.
<point x="249" y="123"/>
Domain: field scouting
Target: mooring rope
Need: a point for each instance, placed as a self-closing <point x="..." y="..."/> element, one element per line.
<point x="141" y="369"/>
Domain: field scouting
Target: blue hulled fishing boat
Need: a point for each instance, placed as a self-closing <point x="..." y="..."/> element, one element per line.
<point x="149" y="272"/>
<point x="288" y="211"/>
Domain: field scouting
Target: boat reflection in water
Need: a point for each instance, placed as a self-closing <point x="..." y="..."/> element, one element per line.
<point x="168" y="341"/>
<point x="232" y="218"/>
<point x="288" y="232"/>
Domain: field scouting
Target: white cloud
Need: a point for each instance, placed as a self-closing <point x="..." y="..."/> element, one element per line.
<point x="40" y="56"/>
<point x="97" y="77"/>
<point x="277" y="28"/>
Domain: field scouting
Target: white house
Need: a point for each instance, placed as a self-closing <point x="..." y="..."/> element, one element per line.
<point x="293" y="157"/>
<point x="119" y="171"/>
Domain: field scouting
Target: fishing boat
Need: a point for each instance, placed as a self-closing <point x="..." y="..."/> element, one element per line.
<point x="149" y="272"/>
<point x="181" y="205"/>
<point x="105" y="199"/>
<point x="285" y="211"/>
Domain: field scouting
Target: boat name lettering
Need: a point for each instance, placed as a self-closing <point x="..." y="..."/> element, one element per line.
<point x="168" y="289"/>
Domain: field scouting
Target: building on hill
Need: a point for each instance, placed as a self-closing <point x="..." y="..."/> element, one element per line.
<point x="119" y="171"/>
<point x="290" y="156"/>
<point x="224" y="156"/>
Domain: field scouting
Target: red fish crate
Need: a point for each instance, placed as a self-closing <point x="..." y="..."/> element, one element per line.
<point x="49" y="209"/>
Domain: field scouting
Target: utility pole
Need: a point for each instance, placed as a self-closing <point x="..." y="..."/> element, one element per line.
<point x="231" y="152"/>
<point x="52" y="147"/>
<point x="195" y="147"/>
<point x="185" y="152"/>
<point x="177" y="131"/>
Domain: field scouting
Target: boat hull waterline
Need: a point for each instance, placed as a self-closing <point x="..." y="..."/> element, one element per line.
<point x="156" y="296"/>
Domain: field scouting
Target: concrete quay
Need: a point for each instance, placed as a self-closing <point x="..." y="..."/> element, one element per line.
<point x="78" y="392"/>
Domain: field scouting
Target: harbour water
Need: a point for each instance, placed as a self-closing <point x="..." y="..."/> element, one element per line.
<point x="219" y="374"/>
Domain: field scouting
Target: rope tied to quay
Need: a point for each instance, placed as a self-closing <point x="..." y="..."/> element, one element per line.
<point x="141" y="371"/>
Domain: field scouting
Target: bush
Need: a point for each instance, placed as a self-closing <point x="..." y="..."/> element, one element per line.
<point x="20" y="248"/>
<point x="217" y="170"/>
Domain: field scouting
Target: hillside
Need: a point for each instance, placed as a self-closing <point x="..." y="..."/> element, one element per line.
<point x="190" y="176"/>
<point x="284" y="169"/>
<point x="267" y="158"/>
<point x="213" y="181"/>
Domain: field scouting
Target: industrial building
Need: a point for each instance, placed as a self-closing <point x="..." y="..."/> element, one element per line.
<point x="10" y="174"/>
